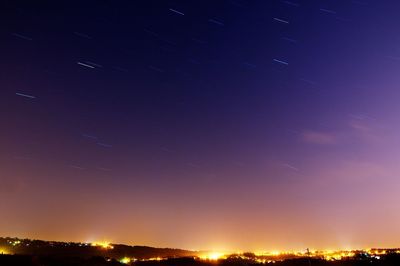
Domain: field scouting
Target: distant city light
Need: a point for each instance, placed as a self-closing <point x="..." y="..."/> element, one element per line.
<point x="156" y="258"/>
<point x="12" y="246"/>
<point x="213" y="256"/>
<point x="103" y="244"/>
<point x="125" y="260"/>
<point x="3" y="251"/>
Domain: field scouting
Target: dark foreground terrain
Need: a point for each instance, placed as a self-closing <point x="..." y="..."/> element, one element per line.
<point x="27" y="260"/>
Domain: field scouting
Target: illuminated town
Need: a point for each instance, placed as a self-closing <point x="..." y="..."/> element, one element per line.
<point x="15" y="246"/>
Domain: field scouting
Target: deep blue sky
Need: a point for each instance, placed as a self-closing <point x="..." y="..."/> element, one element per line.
<point x="183" y="123"/>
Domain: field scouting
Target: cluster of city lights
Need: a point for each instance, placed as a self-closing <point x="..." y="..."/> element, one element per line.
<point x="13" y="245"/>
<point x="271" y="256"/>
<point x="213" y="256"/>
<point x="102" y="244"/>
<point x="325" y="254"/>
<point x="127" y="260"/>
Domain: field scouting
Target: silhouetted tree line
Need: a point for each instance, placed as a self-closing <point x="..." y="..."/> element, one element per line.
<point x="53" y="248"/>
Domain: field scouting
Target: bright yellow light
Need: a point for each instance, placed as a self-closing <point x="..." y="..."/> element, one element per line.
<point x="104" y="244"/>
<point x="125" y="260"/>
<point x="275" y="253"/>
<point x="155" y="258"/>
<point x="3" y="251"/>
<point x="212" y="256"/>
<point x="259" y="253"/>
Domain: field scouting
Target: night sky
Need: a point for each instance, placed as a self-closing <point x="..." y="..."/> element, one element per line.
<point x="251" y="125"/>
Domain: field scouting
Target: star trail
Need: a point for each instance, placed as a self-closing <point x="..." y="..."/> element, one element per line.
<point x="213" y="125"/>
